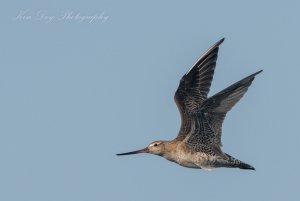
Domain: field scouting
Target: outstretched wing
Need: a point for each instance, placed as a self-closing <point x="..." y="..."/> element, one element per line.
<point x="213" y="111"/>
<point x="194" y="87"/>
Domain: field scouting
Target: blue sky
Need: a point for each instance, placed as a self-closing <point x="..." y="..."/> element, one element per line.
<point x="75" y="92"/>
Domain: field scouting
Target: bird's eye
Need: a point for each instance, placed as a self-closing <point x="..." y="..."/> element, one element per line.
<point x="155" y="145"/>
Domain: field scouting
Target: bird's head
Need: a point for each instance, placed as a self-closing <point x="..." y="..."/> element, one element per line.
<point x="156" y="147"/>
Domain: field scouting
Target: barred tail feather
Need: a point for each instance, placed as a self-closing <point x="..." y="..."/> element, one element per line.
<point x="245" y="166"/>
<point x="237" y="163"/>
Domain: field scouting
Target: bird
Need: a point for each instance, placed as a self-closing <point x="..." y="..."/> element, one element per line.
<point x="198" y="143"/>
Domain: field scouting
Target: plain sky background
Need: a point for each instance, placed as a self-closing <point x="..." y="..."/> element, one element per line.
<point x="73" y="94"/>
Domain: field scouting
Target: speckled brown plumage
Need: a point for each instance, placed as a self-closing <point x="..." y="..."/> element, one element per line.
<point x="198" y="143"/>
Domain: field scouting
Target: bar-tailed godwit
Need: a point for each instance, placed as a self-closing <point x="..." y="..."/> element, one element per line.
<point x="198" y="143"/>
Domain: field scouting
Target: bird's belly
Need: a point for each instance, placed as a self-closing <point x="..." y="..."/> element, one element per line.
<point x="189" y="164"/>
<point x="193" y="160"/>
<point x="196" y="160"/>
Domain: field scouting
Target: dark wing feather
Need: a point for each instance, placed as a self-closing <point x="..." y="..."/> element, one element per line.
<point x="194" y="87"/>
<point x="213" y="112"/>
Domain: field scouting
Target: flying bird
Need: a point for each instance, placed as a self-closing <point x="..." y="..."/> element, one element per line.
<point x="198" y="143"/>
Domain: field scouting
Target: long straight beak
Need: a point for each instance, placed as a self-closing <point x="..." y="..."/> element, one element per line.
<point x="135" y="152"/>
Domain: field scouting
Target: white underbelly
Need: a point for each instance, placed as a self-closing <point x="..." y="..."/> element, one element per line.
<point x="195" y="160"/>
<point x="188" y="164"/>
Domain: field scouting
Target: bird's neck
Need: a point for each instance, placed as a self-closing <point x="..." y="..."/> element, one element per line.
<point x="170" y="150"/>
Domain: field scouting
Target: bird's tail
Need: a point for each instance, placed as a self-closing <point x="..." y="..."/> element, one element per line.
<point x="245" y="166"/>
<point x="237" y="163"/>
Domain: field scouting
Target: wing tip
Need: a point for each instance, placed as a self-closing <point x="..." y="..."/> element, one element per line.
<point x="250" y="78"/>
<point x="221" y="41"/>
<point x="217" y="44"/>
<point x="212" y="48"/>
<point x="258" y="72"/>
